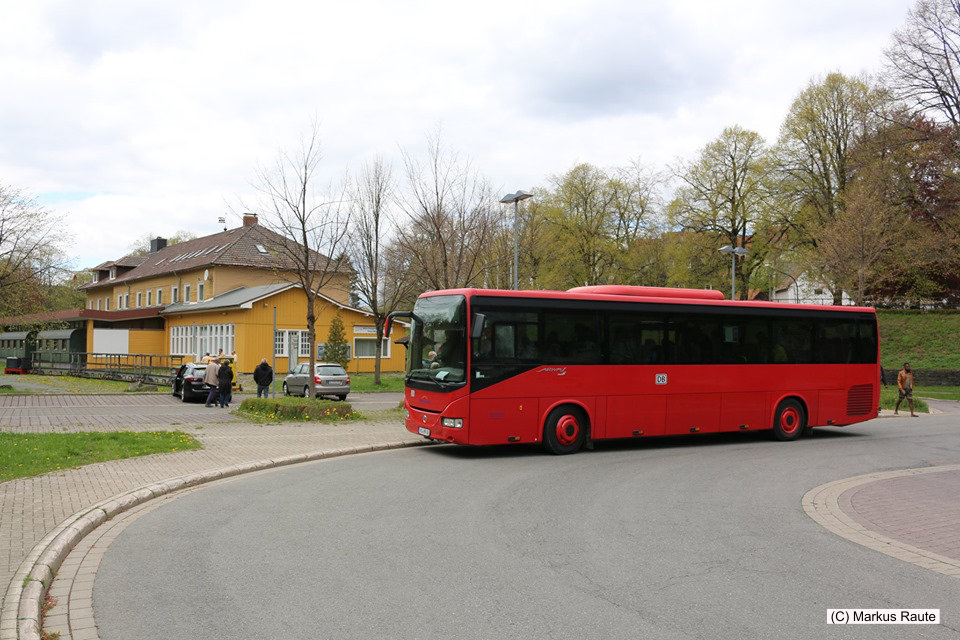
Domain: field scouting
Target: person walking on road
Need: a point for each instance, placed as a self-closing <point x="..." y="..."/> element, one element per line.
<point x="905" y="388"/>
<point x="263" y="376"/>
<point x="225" y="374"/>
<point x="210" y="378"/>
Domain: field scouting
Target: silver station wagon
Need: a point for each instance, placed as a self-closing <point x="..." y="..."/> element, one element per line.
<point x="329" y="377"/>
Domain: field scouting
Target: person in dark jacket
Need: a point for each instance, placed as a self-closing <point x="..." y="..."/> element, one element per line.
<point x="263" y="376"/>
<point x="225" y="377"/>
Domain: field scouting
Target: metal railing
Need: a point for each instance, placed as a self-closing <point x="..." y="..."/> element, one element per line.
<point x="133" y="367"/>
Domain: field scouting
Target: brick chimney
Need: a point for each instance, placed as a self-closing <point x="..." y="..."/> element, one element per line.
<point x="157" y="243"/>
<point x="249" y="219"/>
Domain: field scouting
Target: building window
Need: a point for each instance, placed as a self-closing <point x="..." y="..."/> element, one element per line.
<point x="126" y="301"/>
<point x="139" y="299"/>
<point x="199" y="292"/>
<point x="280" y="344"/>
<point x="96" y="276"/>
<point x="199" y="339"/>
<point x="90" y="304"/>
<point x="113" y="273"/>
<point x="322" y="354"/>
<point x="174" y="295"/>
<point x="159" y="297"/>
<point x="367" y="347"/>
<point x="98" y="304"/>
<point x="186" y="293"/>
<point x="261" y="248"/>
<point x="119" y="301"/>
<point x="304" y="344"/>
<point x="106" y="304"/>
<point x="149" y="298"/>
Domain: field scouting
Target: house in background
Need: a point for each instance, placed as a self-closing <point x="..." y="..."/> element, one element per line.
<point x="805" y="291"/>
<point x="219" y="292"/>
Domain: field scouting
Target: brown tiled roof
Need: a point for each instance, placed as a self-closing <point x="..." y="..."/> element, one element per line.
<point x="81" y="314"/>
<point x="234" y="247"/>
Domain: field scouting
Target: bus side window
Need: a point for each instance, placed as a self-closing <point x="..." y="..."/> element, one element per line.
<point x="792" y="341"/>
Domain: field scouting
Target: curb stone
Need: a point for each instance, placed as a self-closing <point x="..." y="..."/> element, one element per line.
<point x="822" y="504"/>
<point x="23" y="601"/>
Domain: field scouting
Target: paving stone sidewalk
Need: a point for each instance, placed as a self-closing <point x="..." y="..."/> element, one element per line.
<point x="31" y="507"/>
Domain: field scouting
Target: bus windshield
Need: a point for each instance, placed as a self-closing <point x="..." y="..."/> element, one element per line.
<point x="438" y="349"/>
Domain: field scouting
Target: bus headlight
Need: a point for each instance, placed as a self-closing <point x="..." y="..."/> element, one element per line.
<point x="452" y="423"/>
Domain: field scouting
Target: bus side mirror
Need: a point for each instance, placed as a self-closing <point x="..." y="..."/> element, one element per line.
<point x="476" y="329"/>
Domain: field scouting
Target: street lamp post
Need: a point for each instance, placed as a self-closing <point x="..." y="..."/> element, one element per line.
<point x="515" y="198"/>
<point x="734" y="252"/>
<point x="796" y="285"/>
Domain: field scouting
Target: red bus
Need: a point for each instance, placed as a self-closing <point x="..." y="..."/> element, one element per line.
<point x="568" y="368"/>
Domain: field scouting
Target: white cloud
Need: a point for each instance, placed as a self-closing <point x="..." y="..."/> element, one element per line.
<point x="151" y="116"/>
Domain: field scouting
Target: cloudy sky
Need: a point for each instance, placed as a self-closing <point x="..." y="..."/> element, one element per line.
<point x="128" y="116"/>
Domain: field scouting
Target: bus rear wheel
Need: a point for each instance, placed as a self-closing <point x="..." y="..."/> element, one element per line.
<point x="790" y="420"/>
<point x="565" y="430"/>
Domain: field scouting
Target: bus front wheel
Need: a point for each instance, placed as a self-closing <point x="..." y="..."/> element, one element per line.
<point x="790" y="421"/>
<point x="565" y="430"/>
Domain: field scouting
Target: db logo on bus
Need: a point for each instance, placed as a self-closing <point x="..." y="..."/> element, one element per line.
<point x="661" y="378"/>
<point x="560" y="371"/>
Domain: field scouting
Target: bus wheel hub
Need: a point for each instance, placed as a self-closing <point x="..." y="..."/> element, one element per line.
<point x="789" y="420"/>
<point x="567" y="430"/>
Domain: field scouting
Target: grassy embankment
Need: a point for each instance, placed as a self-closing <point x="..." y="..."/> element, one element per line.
<point x="925" y="339"/>
<point x="30" y="454"/>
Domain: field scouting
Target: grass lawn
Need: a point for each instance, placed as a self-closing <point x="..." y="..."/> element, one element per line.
<point x="364" y="382"/>
<point x="888" y="400"/>
<point x="938" y="393"/>
<point x="925" y="339"/>
<point x="66" y="384"/>
<point x="30" y="454"/>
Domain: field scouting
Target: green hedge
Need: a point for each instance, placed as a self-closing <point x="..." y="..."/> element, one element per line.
<point x="293" y="408"/>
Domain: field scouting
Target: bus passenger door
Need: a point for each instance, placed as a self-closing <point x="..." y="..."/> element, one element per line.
<point x="633" y="416"/>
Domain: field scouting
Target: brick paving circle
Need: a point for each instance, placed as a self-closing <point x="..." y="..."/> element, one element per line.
<point x="922" y="511"/>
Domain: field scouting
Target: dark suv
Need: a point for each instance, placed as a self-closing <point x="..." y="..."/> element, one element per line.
<point x="188" y="382"/>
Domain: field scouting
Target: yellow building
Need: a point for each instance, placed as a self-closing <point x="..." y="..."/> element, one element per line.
<point x="222" y="292"/>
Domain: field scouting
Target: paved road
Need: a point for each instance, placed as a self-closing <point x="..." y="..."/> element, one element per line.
<point x="677" y="538"/>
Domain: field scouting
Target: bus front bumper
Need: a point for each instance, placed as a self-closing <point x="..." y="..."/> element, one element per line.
<point x="430" y="425"/>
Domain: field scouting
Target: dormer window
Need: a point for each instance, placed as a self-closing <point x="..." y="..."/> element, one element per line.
<point x="96" y="276"/>
<point x="261" y="248"/>
<point x="113" y="273"/>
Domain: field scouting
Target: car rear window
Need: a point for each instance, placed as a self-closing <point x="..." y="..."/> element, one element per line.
<point x="330" y="371"/>
<point x="199" y="369"/>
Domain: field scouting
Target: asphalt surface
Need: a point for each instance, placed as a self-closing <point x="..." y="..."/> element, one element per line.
<point x="698" y="537"/>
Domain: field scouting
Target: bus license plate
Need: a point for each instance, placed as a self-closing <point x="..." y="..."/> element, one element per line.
<point x="424" y="431"/>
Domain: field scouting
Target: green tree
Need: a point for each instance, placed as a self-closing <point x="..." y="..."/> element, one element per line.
<point x="723" y="200"/>
<point x="336" y="349"/>
<point x="823" y="125"/>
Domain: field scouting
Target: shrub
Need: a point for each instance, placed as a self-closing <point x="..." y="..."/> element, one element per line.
<point x="290" y="408"/>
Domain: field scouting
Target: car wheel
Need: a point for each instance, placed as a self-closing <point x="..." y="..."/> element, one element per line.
<point x="565" y="430"/>
<point x="286" y="391"/>
<point x="183" y="395"/>
<point x="790" y="421"/>
<point x="342" y="397"/>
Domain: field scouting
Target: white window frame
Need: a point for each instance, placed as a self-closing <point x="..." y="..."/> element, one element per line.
<point x="174" y="294"/>
<point x="119" y="301"/>
<point x="304" y="344"/>
<point x="385" y="353"/>
<point x="113" y="273"/>
<point x="186" y="293"/>
<point x="280" y="340"/>
<point x="98" y="304"/>
<point x="159" y="296"/>
<point x="106" y="303"/>
<point x="139" y="299"/>
<point x="126" y="301"/>
<point x="96" y="276"/>
<point x="200" y="288"/>
<point x="149" y="297"/>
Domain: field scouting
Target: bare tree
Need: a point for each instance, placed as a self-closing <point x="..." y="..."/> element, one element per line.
<point x="924" y="59"/>
<point x="381" y="284"/>
<point x="303" y="228"/>
<point x="450" y="219"/>
<point x="30" y="238"/>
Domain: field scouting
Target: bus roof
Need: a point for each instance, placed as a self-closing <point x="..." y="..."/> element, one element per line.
<point x="655" y="295"/>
